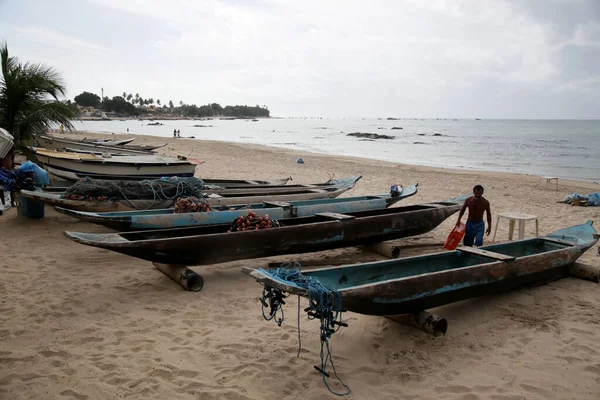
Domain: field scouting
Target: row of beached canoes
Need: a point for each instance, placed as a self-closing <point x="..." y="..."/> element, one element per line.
<point x="311" y="218"/>
<point x="249" y="219"/>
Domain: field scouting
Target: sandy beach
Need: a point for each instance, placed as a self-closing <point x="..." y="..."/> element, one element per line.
<point x="78" y="322"/>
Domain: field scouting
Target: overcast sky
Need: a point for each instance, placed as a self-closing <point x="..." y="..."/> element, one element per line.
<point x="377" y="58"/>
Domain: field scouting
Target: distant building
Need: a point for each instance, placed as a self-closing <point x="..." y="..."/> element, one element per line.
<point x="91" y="112"/>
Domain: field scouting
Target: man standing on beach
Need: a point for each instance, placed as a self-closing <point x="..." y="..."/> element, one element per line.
<point x="477" y="205"/>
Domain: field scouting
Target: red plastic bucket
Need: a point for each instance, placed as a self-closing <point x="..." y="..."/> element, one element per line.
<point x="455" y="237"/>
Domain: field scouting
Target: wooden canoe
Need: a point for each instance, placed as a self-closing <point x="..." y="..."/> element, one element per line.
<point x="167" y="218"/>
<point x="262" y="189"/>
<point x="108" y="142"/>
<point x="223" y="198"/>
<point x="226" y="183"/>
<point x="415" y="284"/>
<point x="213" y="244"/>
<point x="94" y="166"/>
<point x="56" y="143"/>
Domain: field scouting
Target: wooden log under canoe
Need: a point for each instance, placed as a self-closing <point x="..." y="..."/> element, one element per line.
<point x="184" y="276"/>
<point x="585" y="271"/>
<point x="424" y="321"/>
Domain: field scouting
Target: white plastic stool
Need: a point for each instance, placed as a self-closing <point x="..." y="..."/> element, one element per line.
<point x="512" y="217"/>
<point x="550" y="179"/>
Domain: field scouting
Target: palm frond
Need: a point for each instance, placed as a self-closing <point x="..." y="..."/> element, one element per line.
<point x="24" y="87"/>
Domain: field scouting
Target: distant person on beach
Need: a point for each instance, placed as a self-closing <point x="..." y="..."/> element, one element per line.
<point x="174" y="133"/>
<point x="178" y="133"/>
<point x="475" y="226"/>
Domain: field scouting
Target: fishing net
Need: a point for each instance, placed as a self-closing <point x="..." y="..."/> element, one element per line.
<point x="191" y="204"/>
<point x="164" y="188"/>
<point x="251" y="222"/>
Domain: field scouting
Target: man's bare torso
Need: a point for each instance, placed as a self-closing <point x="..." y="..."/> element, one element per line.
<point x="476" y="208"/>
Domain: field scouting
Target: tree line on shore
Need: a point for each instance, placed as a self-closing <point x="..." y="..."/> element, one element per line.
<point x="31" y="101"/>
<point x="133" y="105"/>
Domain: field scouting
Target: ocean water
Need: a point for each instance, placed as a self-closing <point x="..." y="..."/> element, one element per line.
<point x="563" y="148"/>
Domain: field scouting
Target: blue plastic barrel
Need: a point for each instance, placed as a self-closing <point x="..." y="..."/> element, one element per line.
<point x="32" y="209"/>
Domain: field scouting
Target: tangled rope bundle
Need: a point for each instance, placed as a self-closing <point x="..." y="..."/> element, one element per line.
<point x="15" y="180"/>
<point x="325" y="304"/>
<point x="251" y="221"/>
<point x="167" y="188"/>
<point x="191" y="204"/>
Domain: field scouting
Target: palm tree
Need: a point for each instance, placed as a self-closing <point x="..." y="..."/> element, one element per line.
<point x="24" y="91"/>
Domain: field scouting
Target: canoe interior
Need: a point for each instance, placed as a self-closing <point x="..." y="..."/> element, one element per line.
<point x="363" y="274"/>
<point x="253" y="206"/>
<point x="222" y="228"/>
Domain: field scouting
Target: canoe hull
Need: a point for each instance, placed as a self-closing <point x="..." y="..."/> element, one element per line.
<point x="164" y="219"/>
<point x="54" y="143"/>
<point x="471" y="283"/>
<point x="415" y="284"/>
<point x="212" y="244"/>
<point x="222" y="199"/>
<point x="226" y="183"/>
<point x="99" y="170"/>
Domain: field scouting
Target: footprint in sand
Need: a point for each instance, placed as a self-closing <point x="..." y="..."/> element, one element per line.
<point x="71" y="393"/>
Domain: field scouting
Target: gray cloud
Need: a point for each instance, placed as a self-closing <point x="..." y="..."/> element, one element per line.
<point x="447" y="58"/>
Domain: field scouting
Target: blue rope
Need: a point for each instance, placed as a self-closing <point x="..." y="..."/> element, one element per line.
<point x="325" y="303"/>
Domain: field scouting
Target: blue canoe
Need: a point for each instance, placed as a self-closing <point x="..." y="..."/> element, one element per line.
<point x="167" y="218"/>
<point x="415" y="284"/>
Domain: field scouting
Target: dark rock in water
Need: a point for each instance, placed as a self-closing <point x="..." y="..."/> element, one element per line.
<point x="392" y="119"/>
<point x="419" y="143"/>
<point x="369" y="135"/>
<point x="421" y="134"/>
<point x="397" y="127"/>
<point x="437" y="134"/>
<point x="154" y="123"/>
<point x="381" y="127"/>
<point x="366" y="140"/>
<point x="201" y="126"/>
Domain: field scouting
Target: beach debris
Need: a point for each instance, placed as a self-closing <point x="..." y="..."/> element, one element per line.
<point x="396" y="189"/>
<point x="251" y="222"/>
<point x="300" y="160"/>
<point x="15" y="180"/>
<point x="575" y="199"/>
<point x="370" y="135"/>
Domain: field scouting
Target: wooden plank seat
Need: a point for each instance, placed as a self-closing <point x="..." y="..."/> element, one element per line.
<point x="333" y="215"/>
<point x="486" y="253"/>
<point x="277" y="203"/>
